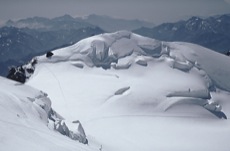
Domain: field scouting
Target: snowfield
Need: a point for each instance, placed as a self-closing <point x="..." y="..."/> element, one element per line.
<point x="24" y="124"/>
<point x="135" y="93"/>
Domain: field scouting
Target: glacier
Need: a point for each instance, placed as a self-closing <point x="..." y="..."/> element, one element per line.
<point x="135" y="93"/>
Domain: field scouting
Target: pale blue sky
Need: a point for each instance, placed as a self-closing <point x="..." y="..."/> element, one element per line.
<point x="156" y="11"/>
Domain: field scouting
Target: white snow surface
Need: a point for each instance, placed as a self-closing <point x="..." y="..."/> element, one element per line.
<point x="23" y="123"/>
<point x="149" y="95"/>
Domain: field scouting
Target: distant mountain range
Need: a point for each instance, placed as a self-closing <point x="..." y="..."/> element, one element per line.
<point x="106" y="23"/>
<point x="44" y="24"/>
<point x="22" y="39"/>
<point x="212" y="32"/>
<point x="114" y="24"/>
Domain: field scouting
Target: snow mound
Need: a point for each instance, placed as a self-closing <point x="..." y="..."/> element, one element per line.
<point x="177" y="69"/>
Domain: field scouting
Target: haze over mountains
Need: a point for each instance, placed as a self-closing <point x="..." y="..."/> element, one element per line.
<point x="107" y="23"/>
<point x="26" y="38"/>
<point x="212" y="32"/>
<point x="20" y="40"/>
<point x="115" y="24"/>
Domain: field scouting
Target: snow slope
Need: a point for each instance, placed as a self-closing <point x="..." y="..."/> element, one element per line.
<point x="135" y="93"/>
<point x="23" y="123"/>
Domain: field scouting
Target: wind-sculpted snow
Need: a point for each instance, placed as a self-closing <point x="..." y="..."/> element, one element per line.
<point x="184" y="66"/>
<point x="121" y="84"/>
<point x="102" y="50"/>
<point x="203" y="94"/>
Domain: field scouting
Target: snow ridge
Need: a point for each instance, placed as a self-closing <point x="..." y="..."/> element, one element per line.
<point x="105" y="49"/>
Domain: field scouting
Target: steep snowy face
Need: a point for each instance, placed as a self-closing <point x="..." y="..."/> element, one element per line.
<point x="25" y="123"/>
<point x="23" y="102"/>
<point x="22" y="116"/>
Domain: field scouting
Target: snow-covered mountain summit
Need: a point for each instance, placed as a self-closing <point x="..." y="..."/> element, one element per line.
<point x="123" y="86"/>
<point x="107" y="50"/>
<point x="178" y="72"/>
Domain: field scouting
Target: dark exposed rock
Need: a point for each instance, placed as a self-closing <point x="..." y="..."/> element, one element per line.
<point x="228" y="53"/>
<point x="17" y="74"/>
<point x="21" y="73"/>
<point x="49" y="54"/>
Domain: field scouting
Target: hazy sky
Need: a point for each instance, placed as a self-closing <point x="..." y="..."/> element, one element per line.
<point x="156" y="11"/>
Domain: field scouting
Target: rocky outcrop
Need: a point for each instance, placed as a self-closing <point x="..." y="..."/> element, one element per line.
<point x="21" y="73"/>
